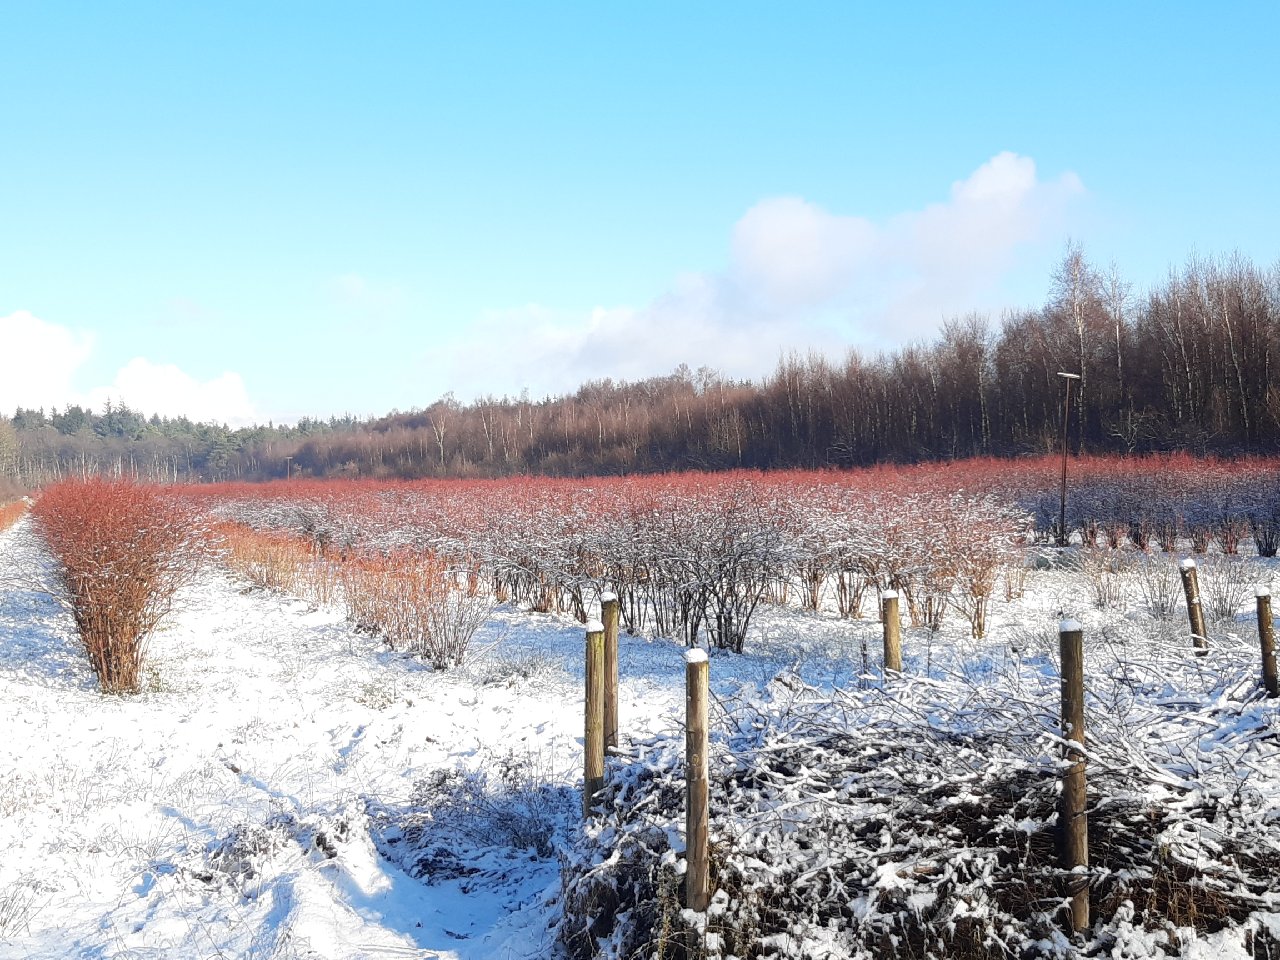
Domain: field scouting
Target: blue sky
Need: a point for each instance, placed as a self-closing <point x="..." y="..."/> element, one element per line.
<point x="253" y="211"/>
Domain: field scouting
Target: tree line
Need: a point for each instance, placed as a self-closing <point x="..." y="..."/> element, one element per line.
<point x="1186" y="366"/>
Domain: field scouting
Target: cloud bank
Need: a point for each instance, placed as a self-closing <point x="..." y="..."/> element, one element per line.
<point x="40" y="362"/>
<point x="799" y="277"/>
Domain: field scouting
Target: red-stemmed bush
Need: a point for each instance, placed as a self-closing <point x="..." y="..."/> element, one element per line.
<point x="416" y="602"/>
<point x="122" y="549"/>
<point x="11" y="513"/>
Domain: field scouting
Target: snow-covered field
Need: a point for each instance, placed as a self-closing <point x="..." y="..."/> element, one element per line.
<point x="287" y="787"/>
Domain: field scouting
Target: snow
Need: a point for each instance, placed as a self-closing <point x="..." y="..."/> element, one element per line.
<point x="1188" y="564"/>
<point x="594" y="626"/>
<point x="288" y="787"/>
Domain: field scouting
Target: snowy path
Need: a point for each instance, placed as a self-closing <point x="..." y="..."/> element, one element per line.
<point x="233" y="808"/>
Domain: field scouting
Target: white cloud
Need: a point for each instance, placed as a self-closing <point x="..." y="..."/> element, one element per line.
<point x="796" y="254"/>
<point x="800" y="277"/>
<point x="39" y="363"/>
<point x="950" y="257"/>
<point x="166" y="389"/>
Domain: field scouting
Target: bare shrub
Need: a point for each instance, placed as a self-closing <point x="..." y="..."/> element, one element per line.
<point x="417" y="602"/>
<point x="1103" y="571"/>
<point x="266" y="558"/>
<point x="851" y="586"/>
<point x="277" y="560"/>
<point x="451" y="623"/>
<point x="1160" y="585"/>
<point x="1167" y="528"/>
<point x="929" y="596"/>
<point x="1014" y="576"/>
<point x="735" y="552"/>
<point x="1227" y="583"/>
<point x="513" y="804"/>
<point x="1231" y="531"/>
<point x="979" y="546"/>
<point x="21" y="901"/>
<point x="123" y="549"/>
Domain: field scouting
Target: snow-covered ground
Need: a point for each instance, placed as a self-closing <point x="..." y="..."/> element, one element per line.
<point x="236" y="808"/>
<point x="267" y="795"/>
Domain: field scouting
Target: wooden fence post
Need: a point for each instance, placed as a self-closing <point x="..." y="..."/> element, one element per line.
<point x="1267" y="635"/>
<point x="892" y="631"/>
<point x="1195" y="612"/>
<point x="1072" y="814"/>
<point x="593" y="734"/>
<point x="697" y="873"/>
<point x="609" y="614"/>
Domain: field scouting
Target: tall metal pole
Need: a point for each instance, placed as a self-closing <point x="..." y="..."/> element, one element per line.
<point x="1062" y="507"/>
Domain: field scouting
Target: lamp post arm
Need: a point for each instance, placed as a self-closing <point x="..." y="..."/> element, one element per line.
<point x="1062" y="503"/>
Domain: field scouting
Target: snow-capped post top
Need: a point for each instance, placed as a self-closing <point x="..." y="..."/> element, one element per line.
<point x="608" y="597"/>
<point x="1188" y="564"/>
<point x="1070" y="626"/>
<point x="696" y="655"/>
<point x="890" y="594"/>
<point x="595" y="626"/>
<point x="1263" y="592"/>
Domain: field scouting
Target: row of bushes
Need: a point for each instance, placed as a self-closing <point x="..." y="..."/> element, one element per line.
<point x="417" y="602"/>
<point x="122" y="550"/>
<point x="1163" y="501"/>
<point x="691" y="556"/>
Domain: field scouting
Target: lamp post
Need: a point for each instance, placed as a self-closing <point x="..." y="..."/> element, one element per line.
<point x="1066" y="412"/>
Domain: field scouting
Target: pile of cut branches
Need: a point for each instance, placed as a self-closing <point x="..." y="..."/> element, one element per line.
<point x="922" y="821"/>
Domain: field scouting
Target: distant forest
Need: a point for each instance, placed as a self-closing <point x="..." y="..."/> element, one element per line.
<point x="1186" y="366"/>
